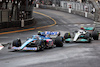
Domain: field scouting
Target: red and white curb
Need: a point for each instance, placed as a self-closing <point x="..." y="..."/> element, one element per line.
<point x="1" y="47"/>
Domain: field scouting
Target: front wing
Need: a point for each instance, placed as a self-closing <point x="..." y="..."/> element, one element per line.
<point x="25" y="48"/>
<point x="79" y="40"/>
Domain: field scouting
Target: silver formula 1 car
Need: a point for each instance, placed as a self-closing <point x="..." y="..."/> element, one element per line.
<point x="85" y="35"/>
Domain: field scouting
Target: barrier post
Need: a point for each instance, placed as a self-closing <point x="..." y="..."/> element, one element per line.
<point x="70" y="6"/>
<point x="37" y="5"/>
<point x="22" y="22"/>
<point x="86" y="11"/>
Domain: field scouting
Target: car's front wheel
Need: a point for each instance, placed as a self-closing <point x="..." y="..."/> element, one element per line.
<point x="16" y="43"/>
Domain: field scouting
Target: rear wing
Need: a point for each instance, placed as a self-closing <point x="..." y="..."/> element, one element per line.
<point x="50" y="33"/>
<point x="89" y="28"/>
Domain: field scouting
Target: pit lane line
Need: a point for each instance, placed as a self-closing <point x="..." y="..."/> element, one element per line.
<point x="33" y="28"/>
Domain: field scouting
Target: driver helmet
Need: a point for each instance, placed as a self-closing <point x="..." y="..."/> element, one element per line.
<point x="39" y="33"/>
<point x="82" y="28"/>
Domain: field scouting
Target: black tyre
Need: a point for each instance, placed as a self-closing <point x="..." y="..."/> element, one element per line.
<point x="67" y="35"/>
<point x="16" y="43"/>
<point x="95" y="35"/>
<point x="58" y="41"/>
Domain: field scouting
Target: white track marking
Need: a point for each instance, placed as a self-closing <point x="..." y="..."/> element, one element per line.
<point x="95" y="22"/>
<point x="69" y="25"/>
<point x="88" y="24"/>
<point x="75" y="24"/>
<point x="56" y="25"/>
<point x="63" y="21"/>
<point x="82" y="24"/>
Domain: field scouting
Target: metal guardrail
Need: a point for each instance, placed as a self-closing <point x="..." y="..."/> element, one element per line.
<point x="97" y="15"/>
<point x="81" y="13"/>
<point x="77" y="6"/>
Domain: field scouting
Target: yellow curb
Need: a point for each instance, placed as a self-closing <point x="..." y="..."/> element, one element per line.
<point x="32" y="28"/>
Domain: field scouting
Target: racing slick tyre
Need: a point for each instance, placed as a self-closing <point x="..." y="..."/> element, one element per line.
<point x="59" y="41"/>
<point x="88" y="37"/>
<point x="16" y="43"/>
<point x="95" y="35"/>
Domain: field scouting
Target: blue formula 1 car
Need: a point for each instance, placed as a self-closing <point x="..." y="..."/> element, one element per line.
<point x="82" y="35"/>
<point x="37" y="42"/>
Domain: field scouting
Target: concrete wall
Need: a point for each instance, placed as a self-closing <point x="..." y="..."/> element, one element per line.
<point x="13" y="24"/>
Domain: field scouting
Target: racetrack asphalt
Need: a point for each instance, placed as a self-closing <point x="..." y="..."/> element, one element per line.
<point x="71" y="55"/>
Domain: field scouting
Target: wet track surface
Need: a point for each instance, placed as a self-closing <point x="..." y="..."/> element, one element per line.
<point x="71" y="55"/>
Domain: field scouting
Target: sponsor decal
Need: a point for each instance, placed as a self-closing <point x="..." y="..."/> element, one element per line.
<point x="29" y="48"/>
<point x="48" y="40"/>
<point x="25" y="48"/>
<point x="51" y="33"/>
<point x="16" y="48"/>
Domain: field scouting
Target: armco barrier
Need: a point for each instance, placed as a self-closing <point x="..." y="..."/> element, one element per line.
<point x="16" y="23"/>
<point x="81" y="13"/>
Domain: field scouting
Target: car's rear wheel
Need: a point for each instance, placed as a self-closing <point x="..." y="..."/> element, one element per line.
<point x="59" y="41"/>
<point x="16" y="43"/>
<point x="95" y="35"/>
